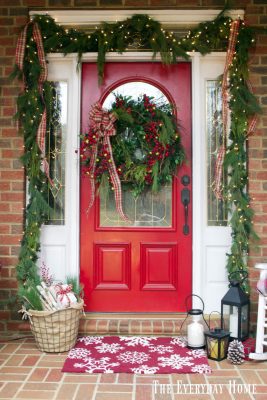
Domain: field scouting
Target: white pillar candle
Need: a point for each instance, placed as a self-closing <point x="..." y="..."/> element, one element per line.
<point x="233" y="326"/>
<point x="195" y="334"/>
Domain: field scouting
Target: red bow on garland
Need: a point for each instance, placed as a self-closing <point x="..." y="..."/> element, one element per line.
<point x="62" y="292"/>
<point x="102" y="124"/>
<point x="20" y="54"/>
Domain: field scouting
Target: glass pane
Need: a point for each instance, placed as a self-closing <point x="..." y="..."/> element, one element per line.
<point x="136" y="89"/>
<point x="56" y="153"/>
<point x="217" y="209"/>
<point x="244" y="321"/>
<point x="148" y="209"/>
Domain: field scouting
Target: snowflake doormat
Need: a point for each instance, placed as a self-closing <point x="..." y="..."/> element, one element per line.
<point x="135" y="354"/>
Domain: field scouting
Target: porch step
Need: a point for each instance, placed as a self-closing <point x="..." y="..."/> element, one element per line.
<point x="133" y="324"/>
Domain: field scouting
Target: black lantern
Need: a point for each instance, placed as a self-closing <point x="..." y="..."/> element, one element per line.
<point x="217" y="341"/>
<point x="235" y="309"/>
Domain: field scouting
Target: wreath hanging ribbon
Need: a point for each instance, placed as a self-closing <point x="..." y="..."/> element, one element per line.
<point x="20" y="54"/>
<point x="102" y="125"/>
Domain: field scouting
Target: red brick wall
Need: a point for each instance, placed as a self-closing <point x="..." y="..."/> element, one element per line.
<point x="13" y="15"/>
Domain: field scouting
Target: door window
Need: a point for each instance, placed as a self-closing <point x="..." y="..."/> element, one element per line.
<point x="148" y="209"/>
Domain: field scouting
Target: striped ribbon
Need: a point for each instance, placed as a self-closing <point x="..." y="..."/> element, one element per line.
<point x="217" y="184"/>
<point x="20" y="54"/>
<point x="102" y="124"/>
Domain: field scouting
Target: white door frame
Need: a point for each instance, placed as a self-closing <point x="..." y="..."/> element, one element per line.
<point x="60" y="244"/>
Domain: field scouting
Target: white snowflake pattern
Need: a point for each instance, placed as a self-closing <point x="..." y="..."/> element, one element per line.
<point x="199" y="353"/>
<point x="133" y="357"/>
<point x="175" y="361"/>
<point x="144" y="369"/>
<point x="109" y="348"/>
<point x="202" y="369"/>
<point x="79" y="353"/>
<point x="180" y="341"/>
<point x="161" y="349"/>
<point x="137" y="340"/>
<point x="90" y="339"/>
<point x="92" y="365"/>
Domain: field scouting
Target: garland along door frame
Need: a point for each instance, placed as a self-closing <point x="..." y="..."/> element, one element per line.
<point x="146" y="265"/>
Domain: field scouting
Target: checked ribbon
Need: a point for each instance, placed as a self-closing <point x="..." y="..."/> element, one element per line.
<point x="20" y="54"/>
<point x="102" y="124"/>
<point x="217" y="184"/>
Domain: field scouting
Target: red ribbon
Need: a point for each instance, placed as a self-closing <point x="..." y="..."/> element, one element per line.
<point x="217" y="184"/>
<point x="20" y="54"/>
<point x="62" y="292"/>
<point x="102" y="124"/>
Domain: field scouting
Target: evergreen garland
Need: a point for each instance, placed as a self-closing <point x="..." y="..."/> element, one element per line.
<point x="119" y="37"/>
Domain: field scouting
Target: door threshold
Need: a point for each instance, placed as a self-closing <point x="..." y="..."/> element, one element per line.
<point x="131" y="324"/>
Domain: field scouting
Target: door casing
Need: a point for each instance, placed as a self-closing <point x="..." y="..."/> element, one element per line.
<point x="60" y="244"/>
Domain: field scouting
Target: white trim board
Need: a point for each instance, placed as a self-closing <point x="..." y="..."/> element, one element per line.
<point x="60" y="244"/>
<point x="167" y="17"/>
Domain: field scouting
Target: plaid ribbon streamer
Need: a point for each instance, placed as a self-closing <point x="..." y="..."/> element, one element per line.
<point x="102" y="124"/>
<point x="217" y="184"/>
<point x="20" y="54"/>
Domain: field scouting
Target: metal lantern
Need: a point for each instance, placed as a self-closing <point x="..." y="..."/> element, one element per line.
<point x="217" y="341"/>
<point x="235" y="309"/>
<point x="195" y="325"/>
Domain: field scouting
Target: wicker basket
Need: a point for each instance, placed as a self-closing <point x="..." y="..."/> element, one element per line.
<point x="56" y="331"/>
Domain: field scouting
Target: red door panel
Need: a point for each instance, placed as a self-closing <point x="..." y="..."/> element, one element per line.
<point x="138" y="269"/>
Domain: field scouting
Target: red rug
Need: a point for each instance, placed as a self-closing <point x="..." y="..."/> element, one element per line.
<point x="135" y="354"/>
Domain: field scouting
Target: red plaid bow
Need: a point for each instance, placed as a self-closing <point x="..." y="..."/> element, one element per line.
<point x="102" y="124"/>
<point x="20" y="54"/>
<point x="62" y="292"/>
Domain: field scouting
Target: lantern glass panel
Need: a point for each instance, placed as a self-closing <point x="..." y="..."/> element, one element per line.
<point x="230" y="319"/>
<point x="217" y="347"/>
<point x="226" y="316"/>
<point x="244" y="321"/>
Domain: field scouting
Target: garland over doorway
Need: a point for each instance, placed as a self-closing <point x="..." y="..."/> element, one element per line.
<point x="36" y="107"/>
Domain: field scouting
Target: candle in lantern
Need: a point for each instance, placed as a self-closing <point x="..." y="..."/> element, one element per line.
<point x="214" y="348"/>
<point x="195" y="334"/>
<point x="233" y="325"/>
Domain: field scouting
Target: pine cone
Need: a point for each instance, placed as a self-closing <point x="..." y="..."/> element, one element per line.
<point x="236" y="352"/>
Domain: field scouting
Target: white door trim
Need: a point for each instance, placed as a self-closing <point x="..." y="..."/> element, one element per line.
<point x="168" y="17"/>
<point x="207" y="241"/>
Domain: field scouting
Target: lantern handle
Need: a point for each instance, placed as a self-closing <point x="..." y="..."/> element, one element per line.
<point x="218" y="312"/>
<point x="240" y="271"/>
<point x="193" y="295"/>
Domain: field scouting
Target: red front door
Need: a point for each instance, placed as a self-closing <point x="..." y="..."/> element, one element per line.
<point x="145" y="267"/>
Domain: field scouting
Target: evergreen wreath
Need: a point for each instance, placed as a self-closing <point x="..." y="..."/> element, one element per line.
<point x="146" y="148"/>
<point x="120" y="36"/>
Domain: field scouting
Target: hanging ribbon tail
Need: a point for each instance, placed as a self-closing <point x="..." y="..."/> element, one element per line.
<point x="253" y="120"/>
<point x="116" y="183"/>
<point x="217" y="184"/>
<point x="20" y="54"/>
<point x="102" y="124"/>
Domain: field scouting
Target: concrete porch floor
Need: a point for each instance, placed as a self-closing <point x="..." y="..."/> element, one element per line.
<point x="27" y="373"/>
